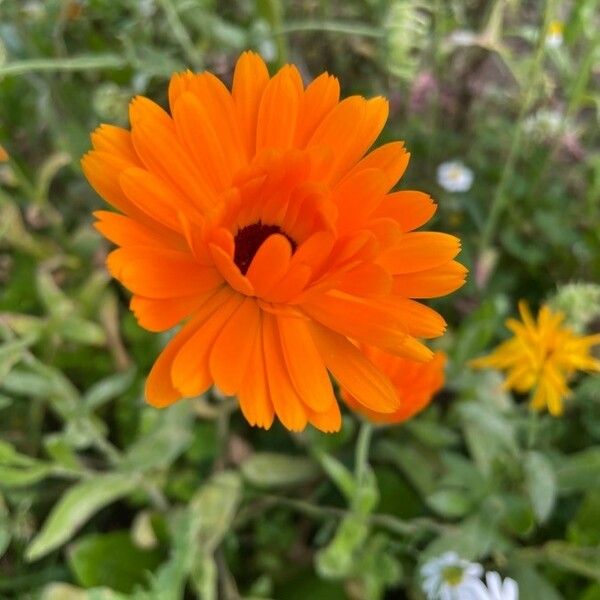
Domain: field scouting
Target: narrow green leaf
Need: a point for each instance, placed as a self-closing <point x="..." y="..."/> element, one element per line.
<point x="76" y="506"/>
<point x="272" y="470"/>
<point x="540" y="483"/>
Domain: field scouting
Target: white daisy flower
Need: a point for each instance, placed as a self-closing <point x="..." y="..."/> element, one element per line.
<point x="554" y="37"/>
<point x="496" y="588"/>
<point x="454" y="176"/>
<point x="449" y="577"/>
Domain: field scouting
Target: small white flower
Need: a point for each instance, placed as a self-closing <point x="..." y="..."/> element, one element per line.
<point x="450" y="577"/>
<point x="454" y="176"/>
<point x="554" y="37"/>
<point x="544" y="124"/>
<point x="496" y="588"/>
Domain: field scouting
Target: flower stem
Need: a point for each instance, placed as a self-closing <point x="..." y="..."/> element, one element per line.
<point x="341" y="27"/>
<point x="363" y="444"/>
<point x="180" y="33"/>
<point x="500" y="199"/>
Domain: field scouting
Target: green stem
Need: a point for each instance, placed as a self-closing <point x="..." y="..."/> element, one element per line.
<point x="75" y="63"/>
<point x="576" y="99"/>
<point x="341" y="27"/>
<point x="363" y="444"/>
<point x="500" y="199"/>
<point x="180" y="33"/>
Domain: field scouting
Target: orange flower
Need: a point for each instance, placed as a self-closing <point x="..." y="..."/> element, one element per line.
<point x="416" y="383"/>
<point x="256" y="218"/>
<point x="3" y="154"/>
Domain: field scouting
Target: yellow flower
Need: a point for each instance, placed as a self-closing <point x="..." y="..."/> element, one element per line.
<point x="541" y="357"/>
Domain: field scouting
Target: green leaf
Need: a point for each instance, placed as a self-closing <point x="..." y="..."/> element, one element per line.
<point x="273" y="470"/>
<point x="82" y="331"/>
<point x="583" y="561"/>
<point x="518" y="515"/>
<point x="12" y="352"/>
<point x="23" y="476"/>
<point x="339" y="474"/>
<point x="111" y="560"/>
<point x="108" y="388"/>
<point x="580" y="471"/>
<point x="584" y="529"/>
<point x="450" y="503"/>
<point x="488" y="433"/>
<point x="540" y="483"/>
<point x="214" y="507"/>
<point x="416" y="465"/>
<point x="338" y="558"/>
<point x="472" y="539"/>
<point x="76" y="506"/>
<point x="160" y="446"/>
<point x="433" y="434"/>
<point x="531" y="583"/>
<point x="65" y="591"/>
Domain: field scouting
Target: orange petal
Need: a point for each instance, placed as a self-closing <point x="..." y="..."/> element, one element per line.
<point x="270" y="263"/>
<point x="278" y="111"/>
<point x="161" y="273"/>
<point x="102" y="170"/>
<point x="318" y="100"/>
<point x="231" y="353"/>
<point x="354" y="371"/>
<point x="123" y="231"/>
<point x="159" y="389"/>
<point x="420" y="251"/>
<point x="157" y="145"/>
<point x="221" y="112"/>
<point x="357" y="196"/>
<point x="190" y="371"/>
<point x="154" y="196"/>
<point x="432" y="283"/>
<point x="249" y="81"/>
<point x="117" y="141"/>
<point x="305" y="365"/>
<point x="391" y="159"/>
<point x="409" y="209"/>
<point x="374" y="320"/>
<point x="419" y="320"/>
<point x="200" y="138"/>
<point x="291" y="284"/>
<point x="351" y="127"/>
<point x="328" y="421"/>
<point x="229" y="271"/>
<point x="253" y="394"/>
<point x="160" y="315"/>
<point x="287" y="403"/>
<point x="365" y="279"/>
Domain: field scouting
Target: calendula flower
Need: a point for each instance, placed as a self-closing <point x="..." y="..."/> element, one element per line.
<point x="541" y="357"/>
<point x="496" y="588"/>
<point x="449" y="577"/>
<point x="3" y="154"/>
<point x="454" y="176"/>
<point x="254" y="218"/>
<point x="554" y="37"/>
<point x="416" y="382"/>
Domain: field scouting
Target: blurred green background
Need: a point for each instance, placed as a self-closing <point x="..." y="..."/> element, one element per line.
<point x="102" y="497"/>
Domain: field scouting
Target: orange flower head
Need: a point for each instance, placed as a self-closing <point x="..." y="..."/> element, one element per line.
<point x="541" y="357"/>
<point x="257" y="219"/>
<point x="416" y="383"/>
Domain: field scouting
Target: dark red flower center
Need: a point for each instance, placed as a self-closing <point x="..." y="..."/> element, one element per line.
<point x="250" y="238"/>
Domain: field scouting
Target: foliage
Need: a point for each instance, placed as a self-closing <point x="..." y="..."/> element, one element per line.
<point x="102" y="497"/>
